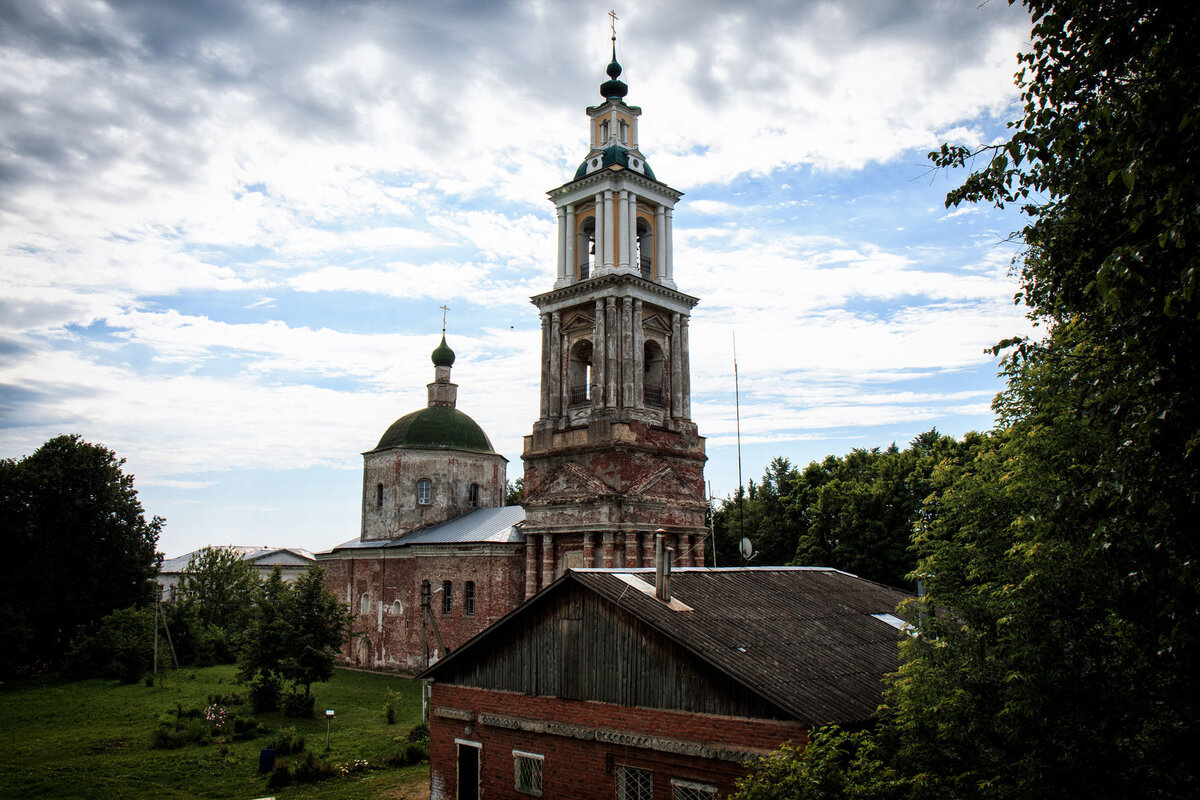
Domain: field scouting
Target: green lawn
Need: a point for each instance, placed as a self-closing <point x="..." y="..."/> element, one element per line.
<point x="92" y="739"/>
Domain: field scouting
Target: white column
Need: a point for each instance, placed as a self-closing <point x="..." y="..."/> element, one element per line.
<point x="600" y="226"/>
<point x="572" y="237"/>
<point x="562" y="246"/>
<point x="685" y="369"/>
<point x="598" y="358"/>
<point x="611" y="337"/>
<point x="639" y="357"/>
<point x="623" y="229"/>
<point x="627" y="352"/>
<point x="555" y="390"/>
<point x="547" y="389"/>
<point x="676" y="368"/>
<point x="669" y="272"/>
<point x="660" y="243"/>
<point x="609" y="255"/>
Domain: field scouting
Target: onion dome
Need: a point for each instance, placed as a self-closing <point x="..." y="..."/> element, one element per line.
<point x="613" y="89"/>
<point x="443" y="356"/>
<point x="436" y="428"/>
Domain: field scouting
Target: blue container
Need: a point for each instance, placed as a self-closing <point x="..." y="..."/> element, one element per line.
<point x="266" y="759"/>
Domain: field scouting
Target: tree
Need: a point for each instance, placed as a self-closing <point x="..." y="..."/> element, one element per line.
<point x="1061" y="641"/>
<point x="78" y="547"/>
<point x="294" y="637"/>
<point x="216" y="602"/>
<point x="514" y="492"/>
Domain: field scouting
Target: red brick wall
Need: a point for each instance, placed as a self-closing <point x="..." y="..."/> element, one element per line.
<point x="574" y="768"/>
<point x="499" y="587"/>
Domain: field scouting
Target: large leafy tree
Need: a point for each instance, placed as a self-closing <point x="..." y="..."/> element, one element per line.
<point x="216" y="602"/>
<point x="77" y="547"/>
<point x="1061" y="654"/>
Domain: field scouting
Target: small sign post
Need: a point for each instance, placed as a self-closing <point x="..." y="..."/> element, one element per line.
<point x="328" y="720"/>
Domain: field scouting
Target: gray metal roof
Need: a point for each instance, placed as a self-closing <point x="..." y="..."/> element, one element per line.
<point x="257" y="555"/>
<point x="481" y="526"/>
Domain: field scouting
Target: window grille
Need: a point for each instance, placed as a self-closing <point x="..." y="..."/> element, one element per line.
<point x="527" y="772"/>
<point x="447" y="600"/>
<point x="634" y="784"/>
<point x="473" y="494"/>
<point x="690" y="790"/>
<point x="424" y="491"/>
<point x="469" y="597"/>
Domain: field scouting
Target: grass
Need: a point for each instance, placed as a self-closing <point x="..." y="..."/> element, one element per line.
<point x="92" y="739"/>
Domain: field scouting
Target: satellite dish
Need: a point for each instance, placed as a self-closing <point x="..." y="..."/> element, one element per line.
<point x="747" y="547"/>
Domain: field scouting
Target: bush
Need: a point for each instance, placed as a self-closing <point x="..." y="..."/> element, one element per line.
<point x="310" y="769"/>
<point x="393" y="706"/>
<point x="410" y="753"/>
<point x="287" y="742"/>
<point x="298" y="704"/>
<point x="280" y="777"/>
<point x="265" y="692"/>
<point x="175" y="734"/>
<point x="245" y="727"/>
<point x="119" y="649"/>
<point x="420" y="734"/>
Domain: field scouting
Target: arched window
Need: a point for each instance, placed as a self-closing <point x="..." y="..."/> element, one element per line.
<point x="424" y="491"/>
<point x="397" y="607"/>
<point x="624" y="129"/>
<point x="364" y="603"/>
<point x="645" y="249"/>
<point x="603" y="132"/>
<point x="654" y="376"/>
<point x="579" y="373"/>
<point x="585" y="248"/>
<point x="473" y="495"/>
<point x="379" y="495"/>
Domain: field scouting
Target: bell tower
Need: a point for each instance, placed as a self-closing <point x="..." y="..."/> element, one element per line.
<point x="614" y="456"/>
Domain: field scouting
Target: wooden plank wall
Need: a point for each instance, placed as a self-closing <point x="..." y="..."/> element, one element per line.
<point x="584" y="647"/>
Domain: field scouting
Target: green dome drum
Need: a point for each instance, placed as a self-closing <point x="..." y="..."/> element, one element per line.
<point x="436" y="428"/>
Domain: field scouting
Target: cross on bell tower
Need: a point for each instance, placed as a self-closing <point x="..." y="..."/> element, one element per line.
<point x="614" y="456"/>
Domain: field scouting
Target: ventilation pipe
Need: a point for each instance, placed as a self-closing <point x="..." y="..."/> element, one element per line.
<point x="662" y="567"/>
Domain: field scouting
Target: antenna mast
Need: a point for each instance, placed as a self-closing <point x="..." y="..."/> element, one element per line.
<point x="737" y="410"/>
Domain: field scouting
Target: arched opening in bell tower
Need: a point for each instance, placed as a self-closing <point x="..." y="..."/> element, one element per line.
<point x="585" y="248"/>
<point x="579" y="373"/>
<point x="645" y="249"/>
<point x="654" y="375"/>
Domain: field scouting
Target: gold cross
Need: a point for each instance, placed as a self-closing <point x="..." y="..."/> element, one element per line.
<point x="444" y="308"/>
<point x="613" y="22"/>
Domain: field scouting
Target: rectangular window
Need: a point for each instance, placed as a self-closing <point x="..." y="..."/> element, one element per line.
<point x="527" y="772"/>
<point x="634" y="784"/>
<point x="447" y="598"/>
<point x="691" y="790"/>
<point x="379" y="495"/>
<point x="424" y="491"/>
<point x="469" y="597"/>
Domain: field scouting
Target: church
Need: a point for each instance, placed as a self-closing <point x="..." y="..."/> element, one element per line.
<point x="613" y="458"/>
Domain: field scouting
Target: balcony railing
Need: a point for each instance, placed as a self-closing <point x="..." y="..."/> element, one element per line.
<point x="578" y="395"/>
<point x="653" y="397"/>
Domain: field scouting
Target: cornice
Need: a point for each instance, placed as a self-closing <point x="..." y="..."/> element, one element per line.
<point x="603" y="175"/>
<point x="613" y="280"/>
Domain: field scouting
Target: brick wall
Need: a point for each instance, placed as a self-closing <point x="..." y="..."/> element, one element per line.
<point x="586" y="768"/>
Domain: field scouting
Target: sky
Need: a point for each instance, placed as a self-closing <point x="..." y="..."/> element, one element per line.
<point x="227" y="228"/>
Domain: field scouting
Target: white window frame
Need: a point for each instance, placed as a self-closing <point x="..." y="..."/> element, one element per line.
<point x="424" y="492"/>
<point x="622" y="791"/>
<point x="533" y="759"/>
<point x="691" y="790"/>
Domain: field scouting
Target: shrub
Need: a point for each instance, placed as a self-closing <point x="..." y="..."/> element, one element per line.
<point x="410" y="753"/>
<point x="265" y="692"/>
<point x="420" y="734"/>
<point x="175" y="734"/>
<point x="310" y="769"/>
<point x="393" y="706"/>
<point x="298" y="704"/>
<point x="287" y="742"/>
<point x="280" y="777"/>
<point x="245" y="727"/>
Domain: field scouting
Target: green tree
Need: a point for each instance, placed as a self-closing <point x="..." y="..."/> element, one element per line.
<point x="265" y="645"/>
<point x="216" y="601"/>
<point x="514" y="492"/>
<point x="122" y="647"/>
<point x="78" y="547"/>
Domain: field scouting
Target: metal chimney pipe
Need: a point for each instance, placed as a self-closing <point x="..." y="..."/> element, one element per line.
<point x="666" y="598"/>
<point x="659" y="558"/>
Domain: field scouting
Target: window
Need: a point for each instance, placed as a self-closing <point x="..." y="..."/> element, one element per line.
<point x="424" y="491"/>
<point x="473" y="495"/>
<point x="527" y="772"/>
<point x="623" y="127"/>
<point x="447" y="599"/>
<point x="603" y="132"/>
<point x="397" y="607"/>
<point x="364" y="603"/>
<point x="690" y="790"/>
<point x="469" y="597"/>
<point x="379" y="495"/>
<point x="634" y="784"/>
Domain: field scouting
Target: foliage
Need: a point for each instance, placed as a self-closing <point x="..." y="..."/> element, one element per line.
<point x="854" y="512"/>
<point x="293" y="638"/>
<point x="78" y="547"/>
<point x="835" y="764"/>
<point x="287" y="742"/>
<point x="514" y="492"/>
<point x="216" y="600"/>
<point x="393" y="705"/>
<point x="310" y="768"/>
<point x="121" y="648"/>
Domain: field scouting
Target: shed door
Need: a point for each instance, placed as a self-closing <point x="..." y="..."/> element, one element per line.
<point x="468" y="771"/>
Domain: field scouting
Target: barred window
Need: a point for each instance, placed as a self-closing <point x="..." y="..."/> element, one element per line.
<point x="447" y="597"/>
<point x="424" y="491"/>
<point x="527" y="772"/>
<point x="469" y="597"/>
<point x="691" y="790"/>
<point x="634" y="784"/>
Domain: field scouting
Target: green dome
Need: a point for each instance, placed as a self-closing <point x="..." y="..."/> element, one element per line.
<point x="443" y="356"/>
<point x="436" y="428"/>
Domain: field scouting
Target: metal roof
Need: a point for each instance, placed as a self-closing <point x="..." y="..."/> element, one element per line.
<point x="254" y="554"/>
<point x="804" y="638"/>
<point x="481" y="526"/>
